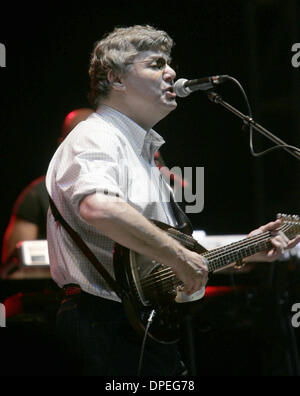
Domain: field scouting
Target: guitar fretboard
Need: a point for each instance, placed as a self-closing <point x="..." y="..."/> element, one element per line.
<point x="237" y="251"/>
<point x="220" y="257"/>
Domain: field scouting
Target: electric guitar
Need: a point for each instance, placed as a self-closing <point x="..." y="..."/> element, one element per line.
<point x="150" y="285"/>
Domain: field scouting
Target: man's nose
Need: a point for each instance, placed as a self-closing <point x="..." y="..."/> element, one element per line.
<point x="169" y="73"/>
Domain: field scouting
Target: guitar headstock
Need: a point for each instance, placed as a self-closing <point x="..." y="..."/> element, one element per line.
<point x="286" y="217"/>
<point x="290" y="224"/>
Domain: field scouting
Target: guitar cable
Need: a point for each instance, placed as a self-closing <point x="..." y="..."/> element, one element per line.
<point x="150" y="320"/>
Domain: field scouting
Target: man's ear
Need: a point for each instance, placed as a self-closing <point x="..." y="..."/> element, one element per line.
<point x="115" y="81"/>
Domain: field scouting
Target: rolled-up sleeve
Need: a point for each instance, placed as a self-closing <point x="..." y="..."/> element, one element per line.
<point x="89" y="166"/>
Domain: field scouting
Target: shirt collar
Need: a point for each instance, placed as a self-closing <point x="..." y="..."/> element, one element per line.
<point x="146" y="143"/>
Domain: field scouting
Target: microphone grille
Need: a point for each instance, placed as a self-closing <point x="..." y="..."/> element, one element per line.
<point x="180" y="89"/>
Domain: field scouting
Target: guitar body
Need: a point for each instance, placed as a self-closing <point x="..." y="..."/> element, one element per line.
<point x="150" y="286"/>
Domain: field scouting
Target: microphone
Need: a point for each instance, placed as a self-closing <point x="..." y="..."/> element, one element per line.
<point x="184" y="87"/>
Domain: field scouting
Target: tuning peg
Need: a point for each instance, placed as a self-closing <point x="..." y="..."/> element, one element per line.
<point x="287" y="217"/>
<point x="282" y="216"/>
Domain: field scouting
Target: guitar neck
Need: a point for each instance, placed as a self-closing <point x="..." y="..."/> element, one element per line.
<point x="237" y="251"/>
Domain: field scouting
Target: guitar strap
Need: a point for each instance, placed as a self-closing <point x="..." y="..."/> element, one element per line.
<point x="183" y="222"/>
<point x="87" y="252"/>
<point x="181" y="218"/>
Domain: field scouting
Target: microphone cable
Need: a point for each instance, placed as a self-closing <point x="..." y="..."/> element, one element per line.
<point x="250" y="113"/>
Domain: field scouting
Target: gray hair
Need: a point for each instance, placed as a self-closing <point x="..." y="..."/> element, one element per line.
<point x="117" y="50"/>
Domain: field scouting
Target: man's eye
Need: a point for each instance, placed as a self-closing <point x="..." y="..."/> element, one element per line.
<point x="159" y="63"/>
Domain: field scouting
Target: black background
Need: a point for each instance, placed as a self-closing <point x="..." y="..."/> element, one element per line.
<point x="46" y="76"/>
<point x="48" y="48"/>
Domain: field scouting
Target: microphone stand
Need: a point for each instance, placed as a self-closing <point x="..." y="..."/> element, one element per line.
<point x="217" y="99"/>
<point x="291" y="354"/>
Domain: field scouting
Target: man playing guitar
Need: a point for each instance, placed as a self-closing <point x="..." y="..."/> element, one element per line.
<point x="102" y="181"/>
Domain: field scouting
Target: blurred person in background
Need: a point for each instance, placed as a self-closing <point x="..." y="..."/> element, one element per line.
<point x="29" y="214"/>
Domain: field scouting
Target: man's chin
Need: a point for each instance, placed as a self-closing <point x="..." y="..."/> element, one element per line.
<point x="171" y="103"/>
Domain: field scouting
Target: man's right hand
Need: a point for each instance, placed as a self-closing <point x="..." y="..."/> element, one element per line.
<point x="191" y="268"/>
<point x="122" y="223"/>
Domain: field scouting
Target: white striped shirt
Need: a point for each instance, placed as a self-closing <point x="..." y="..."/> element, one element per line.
<point x="108" y="153"/>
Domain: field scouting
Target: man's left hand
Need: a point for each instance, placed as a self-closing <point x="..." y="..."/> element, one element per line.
<point x="280" y="242"/>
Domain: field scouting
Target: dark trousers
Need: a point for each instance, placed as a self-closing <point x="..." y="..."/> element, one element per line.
<point x="97" y="340"/>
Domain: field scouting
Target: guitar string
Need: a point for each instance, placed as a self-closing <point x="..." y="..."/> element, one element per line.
<point x="233" y="247"/>
<point x="162" y="280"/>
<point x="245" y="243"/>
<point x="158" y="276"/>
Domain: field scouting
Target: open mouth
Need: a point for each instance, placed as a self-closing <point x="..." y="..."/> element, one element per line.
<point x="170" y="92"/>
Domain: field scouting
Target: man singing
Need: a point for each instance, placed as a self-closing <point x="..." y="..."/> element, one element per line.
<point x="99" y="180"/>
